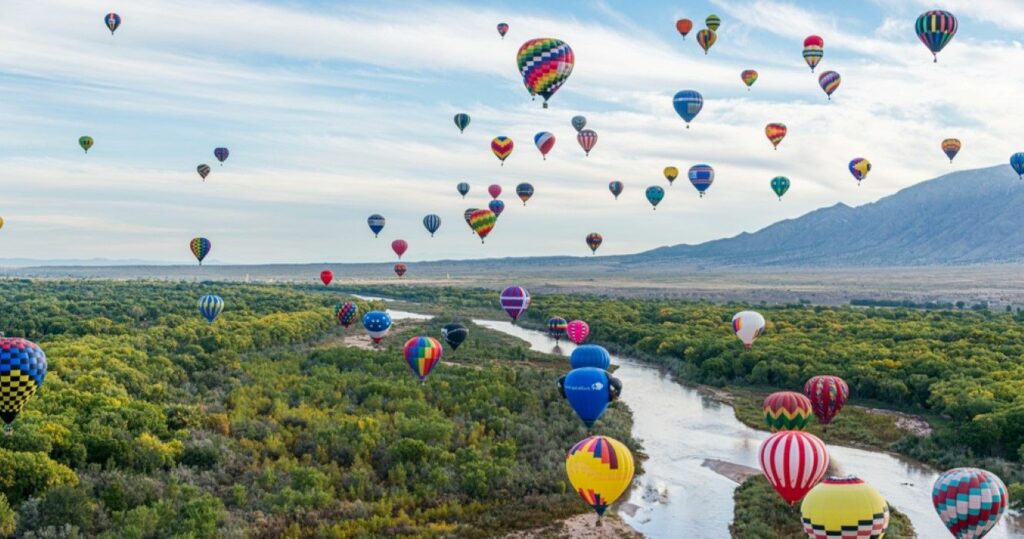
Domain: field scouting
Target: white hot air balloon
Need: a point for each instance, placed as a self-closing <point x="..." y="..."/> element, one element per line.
<point x="748" y="325"/>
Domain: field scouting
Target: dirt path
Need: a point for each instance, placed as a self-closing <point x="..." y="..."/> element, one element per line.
<point x="581" y="526"/>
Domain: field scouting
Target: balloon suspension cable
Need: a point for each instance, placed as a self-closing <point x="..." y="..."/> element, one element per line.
<point x="8" y="430"/>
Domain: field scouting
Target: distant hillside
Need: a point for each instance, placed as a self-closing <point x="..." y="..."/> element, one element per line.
<point x="968" y="217"/>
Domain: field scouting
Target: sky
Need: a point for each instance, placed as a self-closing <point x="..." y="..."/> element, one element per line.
<point x="337" y="110"/>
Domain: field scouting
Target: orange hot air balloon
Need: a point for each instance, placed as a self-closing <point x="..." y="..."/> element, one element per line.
<point x="775" y="133"/>
<point x="683" y="26"/>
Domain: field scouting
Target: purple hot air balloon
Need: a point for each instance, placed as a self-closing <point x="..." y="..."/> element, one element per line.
<point x="496" y="206"/>
<point x="515" y="300"/>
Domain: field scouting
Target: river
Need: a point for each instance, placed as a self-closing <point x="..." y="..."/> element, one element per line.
<point x="680" y="428"/>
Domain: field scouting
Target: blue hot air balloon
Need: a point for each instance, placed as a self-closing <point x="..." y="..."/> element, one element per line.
<point x="1017" y="162"/>
<point x="221" y="154"/>
<point x="654" y="195"/>
<point x="590" y="355"/>
<point x="589" y="390"/>
<point x="376" y="222"/>
<point x="496" y="206"/>
<point x="462" y="188"/>
<point x="210" y="306"/>
<point x="688" y="104"/>
<point x="432" y="223"/>
<point x="377" y="324"/>
<point x="461" y="121"/>
<point x="112" y="20"/>
<point x="701" y="176"/>
<point x="579" y="122"/>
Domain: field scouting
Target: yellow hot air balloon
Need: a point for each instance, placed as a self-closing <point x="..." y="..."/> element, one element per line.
<point x="671" y="173"/>
<point x="600" y="469"/>
<point x="1" y="222"/>
<point x="840" y="505"/>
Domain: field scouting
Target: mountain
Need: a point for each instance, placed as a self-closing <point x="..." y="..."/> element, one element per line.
<point x="968" y="217"/>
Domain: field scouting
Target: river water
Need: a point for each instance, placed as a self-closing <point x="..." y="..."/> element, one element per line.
<point x="679" y="428"/>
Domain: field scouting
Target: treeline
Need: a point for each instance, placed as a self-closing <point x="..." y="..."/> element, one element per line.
<point x="905" y="303"/>
<point x="152" y="423"/>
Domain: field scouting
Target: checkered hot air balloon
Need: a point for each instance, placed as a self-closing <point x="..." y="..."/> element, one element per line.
<point x="545" y="64"/>
<point x="422" y="354"/>
<point x="22" y="371"/>
<point x="793" y="462"/>
<point x="787" y="410"/>
<point x="844" y="507"/>
<point x="210" y="306"/>
<point x="970" y="501"/>
<point x="200" y="247"/>
<point x="347" y="313"/>
<point x="515" y="300"/>
<point x="600" y="469"/>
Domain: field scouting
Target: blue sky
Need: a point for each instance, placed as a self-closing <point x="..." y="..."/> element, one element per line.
<point x="334" y="111"/>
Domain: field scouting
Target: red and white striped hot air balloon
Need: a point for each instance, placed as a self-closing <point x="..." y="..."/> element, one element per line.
<point x="793" y="462"/>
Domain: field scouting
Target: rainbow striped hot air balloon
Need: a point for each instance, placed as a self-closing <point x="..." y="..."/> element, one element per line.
<point x="600" y="469"/>
<point x="557" y="327"/>
<point x="749" y="77"/>
<point x="970" y="501"/>
<point x="545" y="64"/>
<point x="935" y="29"/>
<point x="775" y="133"/>
<point x="502" y="148"/>
<point x="787" y="410"/>
<point x="951" y="147"/>
<point x="706" y="38"/>
<point x="482" y="222"/>
<point x="829" y="81"/>
<point x="814" y="49"/>
<point x="22" y="371"/>
<point x="515" y="300"/>
<point x="422" y="354"/>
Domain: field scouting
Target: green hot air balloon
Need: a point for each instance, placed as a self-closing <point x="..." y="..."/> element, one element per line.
<point x="780" y="184"/>
<point x="85" y="143"/>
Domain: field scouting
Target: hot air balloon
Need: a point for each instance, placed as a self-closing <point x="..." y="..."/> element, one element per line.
<point x="200" y="247"/>
<point x="654" y="195"/>
<point x="935" y="29"/>
<point x="589" y="390"/>
<point x="502" y="29"/>
<point x="787" y="410"/>
<point x="497" y="207"/>
<point x="482" y="222"/>
<point x="432" y="222"/>
<point x="587" y="139"/>
<point x="347" y="313"/>
<point x="112" y="20"/>
<point x="600" y="469"/>
<point x="793" y="461"/>
<point x="515" y="300"/>
<point x="399" y="247"/>
<point x="845" y="507"/>
<point x="748" y="325"/>
<point x="594" y="241"/>
<point x="467" y="215"/>
<point x="221" y="154"/>
<point x="970" y="501"/>
<point x="422" y="354"/>
<point x="376" y="222"/>
<point x="683" y="26"/>
<point x="860" y="167"/>
<point x="578" y="331"/>
<point x="829" y="81"/>
<point x="615" y="188"/>
<point x="462" y="121"/>
<point x="706" y="38"/>
<point x="454" y="334"/>
<point x="210" y="306"/>
<point x="524" y="191"/>
<point x="671" y="173"/>
<point x="688" y="104"/>
<point x="1017" y="162"/>
<point x="590" y="355"/>
<point x="775" y="133"/>
<point x="326" y="276"/>
<point x="203" y="170"/>
<point x="828" y="395"/>
<point x="713" y="22"/>
<point x="557" y="327"/>
<point x="377" y="324"/>
<point x="85" y="142"/>
<point x="701" y="176"/>
<point x="951" y="147"/>
<point x="462" y="188"/>
<point x="579" y="122"/>
<point x="545" y="65"/>
<point x="814" y="49"/>
<point x="502" y="148"/>
<point x="494" y="190"/>
<point x="1" y="222"/>
<point x="22" y="370"/>
<point x="780" y="184"/>
<point x="400" y="269"/>
<point x="749" y="77"/>
<point x="544" y="141"/>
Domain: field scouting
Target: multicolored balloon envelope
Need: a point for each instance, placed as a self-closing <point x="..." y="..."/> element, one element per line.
<point x="347" y="313"/>
<point x="545" y="64"/>
<point x="594" y="240"/>
<point x="688" y="104"/>
<point x="113" y="21"/>
<point x="524" y="191"/>
<point x="377" y="324"/>
<point x="502" y="29"/>
<point x="844" y="507"/>
<point x="557" y="327"/>
<point x="706" y="38"/>
<point x="829" y="81"/>
<point x="701" y="177"/>
<point x="502" y="148"/>
<point x="210" y="306"/>
<point x="578" y="331"/>
<point x="748" y="325"/>
<point x="587" y="139"/>
<point x="422" y="354"/>
<point x="859" y="168"/>
<point x="775" y="133"/>
<point x="600" y="469"/>
<point x="482" y="222"/>
<point x="828" y="395"/>
<point x="749" y="77"/>
<point x="590" y="355"/>
<point x="200" y="247"/>
<point x="454" y="334"/>
<point x="713" y="22"/>
<point x="787" y="410"/>
<point x="814" y="49"/>
<point x="515" y="300"/>
<point x="376" y="223"/>
<point x="970" y="501"/>
<point x="544" y="142"/>
<point x="935" y="29"/>
<point x="400" y="269"/>
<point x="951" y="147"/>
<point x="589" y="390"/>
<point x="326" y="276"/>
<point x="793" y="462"/>
<point x="22" y="371"/>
